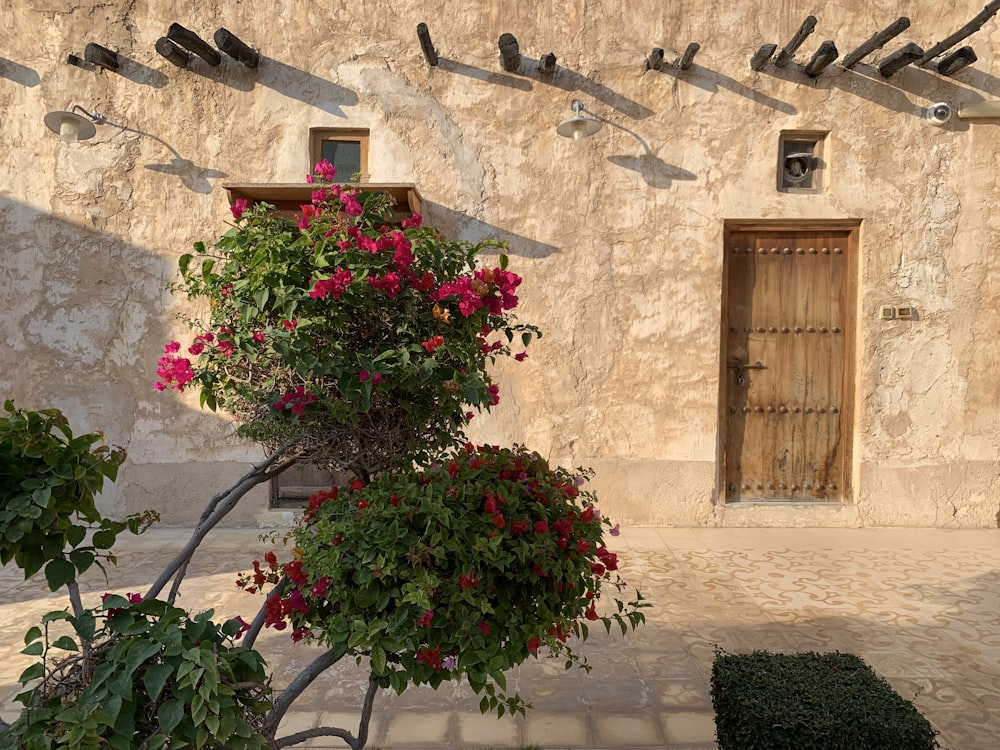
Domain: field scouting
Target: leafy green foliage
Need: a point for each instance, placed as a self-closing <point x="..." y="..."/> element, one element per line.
<point x="147" y="675"/>
<point x="48" y="482"/>
<point x="462" y="570"/>
<point x="811" y="701"/>
<point x="362" y="342"/>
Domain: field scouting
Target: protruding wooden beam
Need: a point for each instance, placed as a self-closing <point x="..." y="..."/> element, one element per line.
<point x="825" y="55"/>
<point x="430" y="54"/>
<point x="958" y="60"/>
<point x="172" y="52"/>
<point x="510" y="52"/>
<point x="968" y="30"/>
<point x="899" y="59"/>
<point x="687" y="59"/>
<point x="878" y="41"/>
<point x="547" y="63"/>
<point x="236" y="48"/>
<point x="193" y="43"/>
<point x="655" y="59"/>
<point x="101" y="56"/>
<point x="762" y="55"/>
<point x="807" y="28"/>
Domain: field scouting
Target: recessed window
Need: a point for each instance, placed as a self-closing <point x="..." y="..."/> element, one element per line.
<point x="801" y="167"/>
<point x="346" y="149"/>
<point x="293" y="487"/>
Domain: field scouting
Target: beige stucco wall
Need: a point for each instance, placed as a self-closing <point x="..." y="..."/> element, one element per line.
<point x="621" y="251"/>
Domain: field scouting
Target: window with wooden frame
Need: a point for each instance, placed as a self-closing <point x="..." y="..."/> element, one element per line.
<point x="345" y="148"/>
<point x="293" y="487"/>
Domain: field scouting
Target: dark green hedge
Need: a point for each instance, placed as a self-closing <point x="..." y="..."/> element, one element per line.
<point x="811" y="701"/>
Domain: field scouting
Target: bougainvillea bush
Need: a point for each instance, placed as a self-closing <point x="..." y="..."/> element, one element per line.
<point x="354" y="339"/>
<point x="463" y="569"/>
<point x="362" y="342"/>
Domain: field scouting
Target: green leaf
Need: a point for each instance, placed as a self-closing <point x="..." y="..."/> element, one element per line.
<point x="138" y="653"/>
<point x="170" y="714"/>
<point x="33" y="634"/>
<point x="104" y="539"/>
<point x="65" y="643"/>
<point x="33" y="649"/>
<point x="155" y="677"/>
<point x="378" y="659"/>
<point x="81" y="559"/>
<point x="59" y="572"/>
<point x="184" y="262"/>
<point x="34" y="672"/>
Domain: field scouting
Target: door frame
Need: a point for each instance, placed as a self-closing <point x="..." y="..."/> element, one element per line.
<point x="850" y="375"/>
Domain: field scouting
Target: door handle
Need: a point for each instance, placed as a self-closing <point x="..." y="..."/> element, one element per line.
<point x="741" y="366"/>
<point x="741" y="379"/>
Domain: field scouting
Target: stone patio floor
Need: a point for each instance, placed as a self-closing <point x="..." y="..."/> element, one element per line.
<point x="922" y="607"/>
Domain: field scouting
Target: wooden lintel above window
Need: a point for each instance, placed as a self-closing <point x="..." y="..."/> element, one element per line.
<point x="288" y="197"/>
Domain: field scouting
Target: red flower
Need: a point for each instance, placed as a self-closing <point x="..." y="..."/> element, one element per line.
<point x="541" y="527"/>
<point x="424" y="621"/>
<point x="431" y="657"/>
<point x="362" y="504"/>
<point x="432" y="343"/>
<point x="592" y="613"/>
<point x="533" y="644"/>
<point x="468" y="580"/>
<point x="484" y="628"/>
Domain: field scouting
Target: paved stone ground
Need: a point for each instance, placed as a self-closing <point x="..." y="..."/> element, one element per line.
<point x="921" y="606"/>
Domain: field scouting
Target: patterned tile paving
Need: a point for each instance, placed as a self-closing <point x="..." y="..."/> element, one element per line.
<point x="922" y="607"/>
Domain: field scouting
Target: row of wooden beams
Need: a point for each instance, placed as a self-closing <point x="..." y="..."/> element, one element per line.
<point x="907" y="55"/>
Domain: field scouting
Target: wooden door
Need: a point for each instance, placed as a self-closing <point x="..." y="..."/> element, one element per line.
<point x="786" y="374"/>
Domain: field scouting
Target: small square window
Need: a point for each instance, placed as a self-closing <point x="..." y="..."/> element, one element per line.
<point x="294" y="487"/>
<point x="800" y="161"/>
<point x="345" y="149"/>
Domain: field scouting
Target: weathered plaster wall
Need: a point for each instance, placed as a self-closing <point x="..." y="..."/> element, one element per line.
<point x="621" y="250"/>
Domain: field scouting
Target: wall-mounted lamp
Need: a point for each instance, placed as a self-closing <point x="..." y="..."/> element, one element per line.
<point x="72" y="126"/>
<point x="578" y="126"/>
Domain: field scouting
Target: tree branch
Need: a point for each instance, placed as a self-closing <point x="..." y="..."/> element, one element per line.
<point x="356" y="743"/>
<point x="217" y="509"/>
<point x="304" y="679"/>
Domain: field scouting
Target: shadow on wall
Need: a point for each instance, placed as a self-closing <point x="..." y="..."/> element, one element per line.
<point x="459" y="226"/>
<point x="83" y="326"/>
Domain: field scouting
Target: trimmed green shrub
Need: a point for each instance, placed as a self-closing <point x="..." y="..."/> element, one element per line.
<point x="806" y="701"/>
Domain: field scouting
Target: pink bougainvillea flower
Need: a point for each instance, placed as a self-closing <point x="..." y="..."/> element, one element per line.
<point x="413" y="221"/>
<point x="173" y="346"/>
<point x="325" y="170"/>
<point x="290" y="324"/>
<point x="615" y="530"/>
<point x="449" y="662"/>
<point x="521" y="356"/>
<point x="244" y="627"/>
<point x="318" y="196"/>
<point x="239" y="208"/>
<point x="494" y="393"/>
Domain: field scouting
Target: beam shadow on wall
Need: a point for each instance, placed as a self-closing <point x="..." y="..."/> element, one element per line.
<point x="19" y="73"/>
<point x="304" y="87"/>
<point x="487" y="76"/>
<point x="456" y="225"/>
<point x="865" y="81"/>
<point x="711" y="81"/>
<point x="141" y="74"/>
<point x="569" y="81"/>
